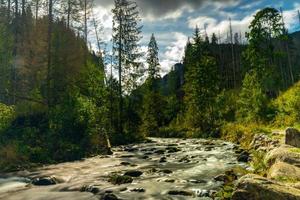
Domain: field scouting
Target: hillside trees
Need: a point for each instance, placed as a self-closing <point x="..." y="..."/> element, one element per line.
<point x="252" y="101"/>
<point x="201" y="85"/>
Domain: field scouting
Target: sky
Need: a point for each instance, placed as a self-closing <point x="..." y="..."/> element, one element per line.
<point x="174" y="21"/>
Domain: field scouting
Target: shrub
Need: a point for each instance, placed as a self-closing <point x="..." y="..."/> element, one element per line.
<point x="287" y="107"/>
<point x="242" y="134"/>
<point x="258" y="163"/>
<point x="252" y="101"/>
<point x="7" y="114"/>
<point x="11" y="157"/>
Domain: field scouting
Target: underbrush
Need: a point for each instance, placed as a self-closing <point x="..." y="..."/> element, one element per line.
<point x="242" y="134"/>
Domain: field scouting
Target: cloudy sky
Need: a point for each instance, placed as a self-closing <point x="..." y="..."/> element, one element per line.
<point x="173" y="21"/>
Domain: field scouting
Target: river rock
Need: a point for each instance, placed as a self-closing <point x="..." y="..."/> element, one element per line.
<point x="133" y="173"/>
<point x="180" y="192"/>
<point x="125" y="163"/>
<point x="292" y="137"/>
<point x="90" y="188"/>
<point x="109" y="197"/>
<point x="118" y="180"/>
<point x="138" y="190"/>
<point x="281" y="170"/>
<point x="194" y="181"/>
<point x="172" y="149"/>
<point x="285" y="154"/>
<point x="228" y="177"/>
<point x="262" y="142"/>
<point x="169" y="180"/>
<point x="166" y="171"/>
<point x="243" y="157"/>
<point x="163" y="160"/>
<point x="44" y="181"/>
<point x="254" y="187"/>
<point x="160" y="151"/>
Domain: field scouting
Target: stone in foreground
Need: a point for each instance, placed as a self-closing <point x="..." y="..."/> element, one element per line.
<point x="180" y="192"/>
<point x="254" y="187"/>
<point x="133" y="173"/>
<point x="282" y="170"/>
<point x="44" y="181"/>
<point x="292" y="137"/>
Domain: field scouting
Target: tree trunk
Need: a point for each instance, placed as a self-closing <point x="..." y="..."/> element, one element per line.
<point x="85" y="21"/>
<point x="8" y="8"/>
<point x="37" y="9"/>
<point x="69" y="13"/>
<point x="120" y="77"/>
<point x="23" y="7"/>
<point x="50" y="16"/>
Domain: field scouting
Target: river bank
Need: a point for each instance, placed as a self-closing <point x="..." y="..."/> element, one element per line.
<point x="277" y="160"/>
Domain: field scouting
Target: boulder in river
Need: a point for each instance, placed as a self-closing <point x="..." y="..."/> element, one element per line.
<point x="163" y="160"/>
<point x="138" y="190"/>
<point x="133" y="173"/>
<point x="292" y="137"/>
<point x="118" y="180"/>
<point x="254" y="187"/>
<point x="44" y="181"/>
<point x="172" y="149"/>
<point x="90" y="188"/>
<point x="180" y="192"/>
<point x="243" y="157"/>
<point x="228" y="177"/>
<point x="109" y="197"/>
<point x="166" y="171"/>
<point x="160" y="151"/>
<point x="125" y="163"/>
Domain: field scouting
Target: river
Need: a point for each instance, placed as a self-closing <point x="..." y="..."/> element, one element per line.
<point x="166" y="165"/>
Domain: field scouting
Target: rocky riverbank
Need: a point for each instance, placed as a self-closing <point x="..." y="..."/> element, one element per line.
<point x="281" y="180"/>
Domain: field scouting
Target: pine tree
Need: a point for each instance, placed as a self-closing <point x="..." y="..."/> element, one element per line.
<point x="126" y="36"/>
<point x="152" y="59"/>
<point x="152" y="116"/>
<point x="252" y="100"/>
<point x="71" y="8"/>
<point x="214" y="39"/>
<point x="201" y="85"/>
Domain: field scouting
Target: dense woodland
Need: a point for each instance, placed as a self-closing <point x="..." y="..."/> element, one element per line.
<point x="60" y="102"/>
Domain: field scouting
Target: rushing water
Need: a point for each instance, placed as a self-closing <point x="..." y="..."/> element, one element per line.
<point x="193" y="168"/>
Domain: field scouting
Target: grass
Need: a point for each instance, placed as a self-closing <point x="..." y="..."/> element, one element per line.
<point x="285" y="179"/>
<point x="243" y="134"/>
<point x="295" y="150"/>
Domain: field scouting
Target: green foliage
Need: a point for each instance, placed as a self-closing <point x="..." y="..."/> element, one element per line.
<point x="287" y="107"/>
<point x="201" y="89"/>
<point x="152" y="116"/>
<point x="241" y="133"/>
<point x="252" y="101"/>
<point x="258" y="163"/>
<point x="226" y="106"/>
<point x="260" y="53"/>
<point x="170" y="132"/>
<point x="7" y="114"/>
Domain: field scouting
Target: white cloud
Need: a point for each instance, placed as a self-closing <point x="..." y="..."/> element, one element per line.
<point x="291" y="17"/>
<point x="239" y="25"/>
<point x="221" y="27"/>
<point x="174" y="52"/>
